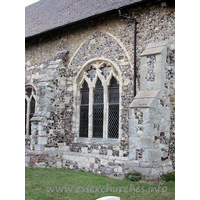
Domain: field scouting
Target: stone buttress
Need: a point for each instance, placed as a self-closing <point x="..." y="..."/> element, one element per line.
<point x="149" y="128"/>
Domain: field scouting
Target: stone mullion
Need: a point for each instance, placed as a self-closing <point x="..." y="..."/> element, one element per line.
<point x="105" y="116"/>
<point x="90" y="113"/>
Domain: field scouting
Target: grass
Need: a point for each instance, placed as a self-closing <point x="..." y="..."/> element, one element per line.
<point x="42" y="184"/>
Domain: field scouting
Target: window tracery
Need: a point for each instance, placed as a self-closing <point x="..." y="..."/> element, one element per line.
<point x="99" y="101"/>
<point x="30" y="101"/>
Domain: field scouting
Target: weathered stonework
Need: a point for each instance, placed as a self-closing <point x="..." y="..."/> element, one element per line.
<point x="55" y="65"/>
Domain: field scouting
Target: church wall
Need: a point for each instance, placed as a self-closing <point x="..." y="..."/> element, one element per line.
<point x="53" y="61"/>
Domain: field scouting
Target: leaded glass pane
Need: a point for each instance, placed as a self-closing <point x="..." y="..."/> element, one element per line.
<point x="98" y="121"/>
<point x="98" y="96"/>
<point x="98" y="92"/>
<point x="84" y="110"/>
<point x="85" y="97"/>
<point x="98" y="84"/>
<point x="30" y="116"/>
<point x="113" y="95"/>
<point x="98" y="110"/>
<point x="113" y="82"/>
<point x="85" y="86"/>
<point x="113" y="123"/>
<point x="84" y="121"/>
<point x="85" y="93"/>
<point x="113" y="117"/>
<point x="28" y="92"/>
<point x="32" y="111"/>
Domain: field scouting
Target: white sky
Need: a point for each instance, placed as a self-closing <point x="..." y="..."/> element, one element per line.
<point x="28" y="2"/>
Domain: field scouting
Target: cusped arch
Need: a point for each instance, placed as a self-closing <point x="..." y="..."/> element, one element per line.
<point x="97" y="63"/>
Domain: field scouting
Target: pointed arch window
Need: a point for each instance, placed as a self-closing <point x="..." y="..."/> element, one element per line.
<point x="98" y="106"/>
<point x="84" y="110"/>
<point x="99" y="102"/>
<point x="113" y="109"/>
<point x="30" y="96"/>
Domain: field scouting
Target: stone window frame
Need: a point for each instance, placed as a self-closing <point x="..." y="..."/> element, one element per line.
<point x="28" y="99"/>
<point x="79" y="80"/>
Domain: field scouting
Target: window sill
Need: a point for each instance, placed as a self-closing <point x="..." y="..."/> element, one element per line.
<point x="97" y="140"/>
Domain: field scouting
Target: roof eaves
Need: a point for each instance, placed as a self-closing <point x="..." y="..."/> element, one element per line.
<point x="136" y="2"/>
